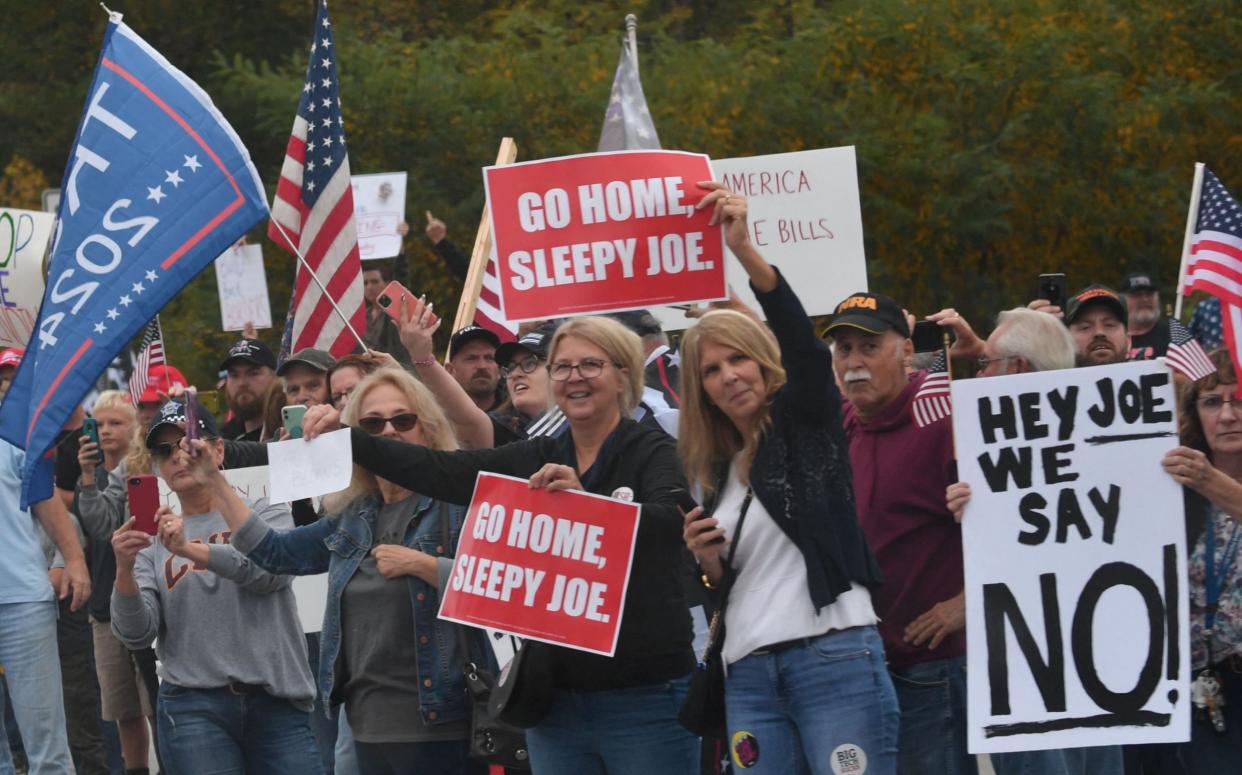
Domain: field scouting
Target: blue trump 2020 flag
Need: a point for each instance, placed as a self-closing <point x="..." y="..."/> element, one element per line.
<point x="157" y="185"/>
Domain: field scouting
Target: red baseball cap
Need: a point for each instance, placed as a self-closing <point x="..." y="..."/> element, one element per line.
<point x="12" y="356"/>
<point x="159" y="380"/>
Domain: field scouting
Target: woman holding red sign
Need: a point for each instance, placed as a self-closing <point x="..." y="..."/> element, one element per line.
<point x="605" y="714"/>
<point x="807" y="688"/>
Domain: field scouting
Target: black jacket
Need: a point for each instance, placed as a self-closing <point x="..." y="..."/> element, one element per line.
<point x="655" y="638"/>
<point x="801" y="473"/>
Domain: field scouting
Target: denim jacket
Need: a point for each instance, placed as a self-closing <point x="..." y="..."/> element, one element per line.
<point x="338" y="544"/>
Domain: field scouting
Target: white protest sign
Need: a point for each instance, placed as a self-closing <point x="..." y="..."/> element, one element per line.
<point x="306" y="469"/>
<point x="310" y="592"/>
<point x="242" y="284"/>
<point x="1075" y="559"/>
<point x="24" y="235"/>
<point x="379" y="208"/>
<point x="805" y="218"/>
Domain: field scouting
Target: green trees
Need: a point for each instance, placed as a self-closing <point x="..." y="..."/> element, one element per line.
<point x="995" y="140"/>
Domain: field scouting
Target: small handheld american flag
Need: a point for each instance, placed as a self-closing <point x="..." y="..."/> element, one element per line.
<point x="1213" y="260"/>
<point x="932" y="402"/>
<point x="150" y="353"/>
<point x="1185" y="355"/>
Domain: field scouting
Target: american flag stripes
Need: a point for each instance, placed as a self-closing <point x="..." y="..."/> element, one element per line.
<point x="1215" y="261"/>
<point x="932" y="402"/>
<point x="1185" y="354"/>
<point x="315" y="207"/>
<point x="487" y="312"/>
<point x="150" y="353"/>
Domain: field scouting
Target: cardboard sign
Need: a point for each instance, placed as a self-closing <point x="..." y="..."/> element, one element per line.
<point x="24" y="235"/>
<point x="379" y="208"/>
<point x="603" y="232"/>
<point x="242" y="285"/>
<point x="552" y="566"/>
<point x="1075" y="559"/>
<point x="805" y="218"/>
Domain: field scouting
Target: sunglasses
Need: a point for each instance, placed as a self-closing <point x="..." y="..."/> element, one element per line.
<point x="164" y="451"/>
<point x="400" y="423"/>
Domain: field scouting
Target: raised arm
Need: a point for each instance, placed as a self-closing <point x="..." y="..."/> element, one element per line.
<point x="136" y="614"/>
<point x="101" y="503"/>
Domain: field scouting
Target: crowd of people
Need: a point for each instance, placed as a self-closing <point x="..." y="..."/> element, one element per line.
<point x="844" y="624"/>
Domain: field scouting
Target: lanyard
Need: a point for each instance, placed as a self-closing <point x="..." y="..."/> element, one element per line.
<point x="1213" y="581"/>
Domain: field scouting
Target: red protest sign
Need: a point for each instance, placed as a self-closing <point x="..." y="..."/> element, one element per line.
<point x="603" y="232"/>
<point x="552" y="566"/>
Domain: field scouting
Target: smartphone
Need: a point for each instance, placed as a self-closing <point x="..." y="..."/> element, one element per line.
<point x="90" y="428"/>
<point x="191" y="416"/>
<point x="928" y="336"/>
<point x="144" y="500"/>
<point x="1052" y="288"/>
<point x="687" y="503"/>
<point x="393" y="298"/>
<point x="292" y="416"/>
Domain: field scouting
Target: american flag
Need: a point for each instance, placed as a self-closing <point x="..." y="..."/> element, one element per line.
<point x="931" y="402"/>
<point x="487" y="312"/>
<point x="1185" y="354"/>
<point x="150" y="353"/>
<point x="315" y="206"/>
<point x="1215" y="260"/>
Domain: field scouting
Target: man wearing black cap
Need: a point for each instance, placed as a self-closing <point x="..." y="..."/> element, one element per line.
<point x="662" y="367"/>
<point x="901" y="472"/>
<point x="306" y="376"/>
<point x="251" y="367"/>
<point x="472" y="362"/>
<point x="1149" y="330"/>
<point x="1096" y="318"/>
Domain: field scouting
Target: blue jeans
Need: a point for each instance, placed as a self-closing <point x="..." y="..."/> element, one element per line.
<point x="345" y="760"/>
<point x="444" y="757"/>
<point x="932" y="696"/>
<point x="824" y="707"/>
<point x="217" y="732"/>
<point x="31" y="663"/>
<point x="323" y="725"/>
<point x="618" y="731"/>
<point x="1103" y="760"/>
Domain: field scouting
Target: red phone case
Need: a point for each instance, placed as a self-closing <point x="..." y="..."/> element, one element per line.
<point x="144" y="500"/>
<point x="396" y="294"/>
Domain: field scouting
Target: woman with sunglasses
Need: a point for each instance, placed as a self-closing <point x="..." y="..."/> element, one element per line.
<point x="615" y="714"/>
<point x="386" y="549"/>
<point x="237" y="692"/>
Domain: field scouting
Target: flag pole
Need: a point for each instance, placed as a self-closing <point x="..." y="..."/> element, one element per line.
<point x="482" y="251"/>
<point x="631" y="30"/>
<point x="948" y="372"/>
<point x="1192" y="215"/>
<point x="322" y="289"/>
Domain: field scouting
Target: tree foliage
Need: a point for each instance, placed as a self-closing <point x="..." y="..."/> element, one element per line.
<point x="995" y="140"/>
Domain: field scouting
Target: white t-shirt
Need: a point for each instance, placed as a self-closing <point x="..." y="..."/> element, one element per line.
<point x="770" y="601"/>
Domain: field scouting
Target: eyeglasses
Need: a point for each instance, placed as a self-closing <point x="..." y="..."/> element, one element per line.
<point x="400" y="423"/>
<point x="525" y="366"/>
<point x="983" y="361"/>
<point x="1213" y="404"/>
<point x="588" y="368"/>
<point x="164" y="451"/>
<point x="339" y="398"/>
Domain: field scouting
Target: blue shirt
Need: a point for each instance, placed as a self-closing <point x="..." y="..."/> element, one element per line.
<point x="23" y="570"/>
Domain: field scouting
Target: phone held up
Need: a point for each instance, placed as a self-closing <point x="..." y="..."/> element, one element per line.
<point x="144" y="501"/>
<point x="928" y="336"/>
<point x="687" y="503"/>
<point x="292" y="416"/>
<point x="1052" y="288"/>
<point x="90" y="429"/>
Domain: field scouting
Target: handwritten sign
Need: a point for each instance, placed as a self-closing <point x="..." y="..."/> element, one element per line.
<point x="379" y="208"/>
<point x="603" y="232"/>
<point x="548" y="566"/>
<point x="242" y="285"/>
<point x="24" y="235"/>
<point x="804" y="216"/>
<point x="1075" y="559"/>
<point x="306" y="469"/>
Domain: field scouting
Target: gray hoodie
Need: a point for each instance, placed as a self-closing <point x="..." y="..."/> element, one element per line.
<point x="231" y="621"/>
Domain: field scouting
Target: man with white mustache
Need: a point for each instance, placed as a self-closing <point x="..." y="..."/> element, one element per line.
<point x="900" y="475"/>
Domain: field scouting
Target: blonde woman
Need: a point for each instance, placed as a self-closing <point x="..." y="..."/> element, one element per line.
<point x="607" y="715"/>
<point x="807" y="688"/>
<point x="382" y="651"/>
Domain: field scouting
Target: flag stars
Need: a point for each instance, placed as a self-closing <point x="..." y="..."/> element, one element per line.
<point x="326" y="23"/>
<point x="174" y="177"/>
<point x="325" y="62"/>
<point x="138" y="288"/>
<point x="152" y="276"/>
<point x="326" y="43"/>
<point x="306" y="87"/>
<point x="100" y="328"/>
<point x="126" y="301"/>
<point x="327" y="82"/>
<point x="327" y="161"/>
<point x="310" y="166"/>
<point x="156" y="194"/>
<point x="192" y="163"/>
<point x="327" y="102"/>
<point x="327" y="122"/>
<point x="310" y="185"/>
<point x="113" y="314"/>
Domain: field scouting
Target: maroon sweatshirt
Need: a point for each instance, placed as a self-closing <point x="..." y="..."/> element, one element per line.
<point x="901" y="472"/>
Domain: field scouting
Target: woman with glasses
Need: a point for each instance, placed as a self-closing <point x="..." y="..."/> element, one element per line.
<point x="523" y="367"/>
<point x="615" y="714"/>
<point x="386" y="549"/>
<point x="237" y="691"/>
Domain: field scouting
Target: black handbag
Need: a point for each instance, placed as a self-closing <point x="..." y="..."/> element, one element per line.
<point x="491" y="740"/>
<point x="703" y="710"/>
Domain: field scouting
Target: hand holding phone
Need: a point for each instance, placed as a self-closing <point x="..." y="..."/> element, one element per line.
<point x="928" y="336"/>
<point x="393" y="300"/>
<point x="90" y="429"/>
<point x="144" y="501"/>
<point x="1052" y="288"/>
<point x="191" y="419"/>
<point x="291" y="416"/>
<point x="687" y="504"/>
